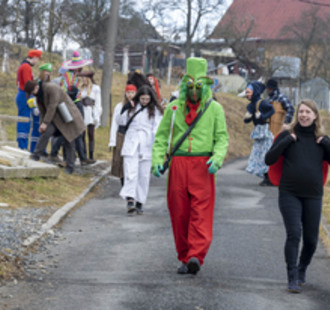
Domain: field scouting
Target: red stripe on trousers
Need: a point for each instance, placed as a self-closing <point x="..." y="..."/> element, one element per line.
<point x="190" y="198"/>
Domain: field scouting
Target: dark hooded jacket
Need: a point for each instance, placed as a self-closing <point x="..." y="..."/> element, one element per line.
<point x="265" y="108"/>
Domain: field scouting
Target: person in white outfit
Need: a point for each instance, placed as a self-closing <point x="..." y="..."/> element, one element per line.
<point x="141" y="116"/>
<point x="91" y="99"/>
<point x="117" y="135"/>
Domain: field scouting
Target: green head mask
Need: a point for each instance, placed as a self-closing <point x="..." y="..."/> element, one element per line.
<point x="195" y="78"/>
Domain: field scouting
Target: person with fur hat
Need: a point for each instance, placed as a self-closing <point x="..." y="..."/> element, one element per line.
<point x="259" y="111"/>
<point x="192" y="169"/>
<point x="283" y="107"/>
<point x="24" y="74"/>
<point x="91" y="100"/>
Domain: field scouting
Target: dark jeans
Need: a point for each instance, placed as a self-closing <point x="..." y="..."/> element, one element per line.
<point x="80" y="148"/>
<point x="57" y="142"/>
<point x="301" y="217"/>
<point x="91" y="139"/>
<point x="68" y="146"/>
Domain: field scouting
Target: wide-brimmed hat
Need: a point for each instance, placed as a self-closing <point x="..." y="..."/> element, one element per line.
<point x="89" y="74"/>
<point x="76" y="62"/>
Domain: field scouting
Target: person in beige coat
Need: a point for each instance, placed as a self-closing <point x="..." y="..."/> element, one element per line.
<point x="49" y="97"/>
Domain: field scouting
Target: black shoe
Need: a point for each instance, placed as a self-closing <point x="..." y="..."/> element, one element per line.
<point x="35" y="157"/>
<point x="183" y="269"/>
<point x="265" y="182"/>
<point x="193" y="265"/>
<point x="87" y="161"/>
<point x="302" y="275"/>
<point x="68" y="171"/>
<point x="130" y="207"/>
<point x="139" y="209"/>
<point x="293" y="286"/>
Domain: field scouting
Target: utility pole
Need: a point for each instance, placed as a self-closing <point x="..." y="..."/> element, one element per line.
<point x="109" y="57"/>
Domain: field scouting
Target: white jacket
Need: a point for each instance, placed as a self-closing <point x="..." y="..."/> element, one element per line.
<point x="141" y="132"/>
<point x="92" y="114"/>
<point x="114" y="124"/>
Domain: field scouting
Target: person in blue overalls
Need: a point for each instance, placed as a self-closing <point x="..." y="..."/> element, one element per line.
<point x="24" y="74"/>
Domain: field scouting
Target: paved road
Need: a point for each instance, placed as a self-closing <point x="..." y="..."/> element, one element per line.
<point x="106" y="260"/>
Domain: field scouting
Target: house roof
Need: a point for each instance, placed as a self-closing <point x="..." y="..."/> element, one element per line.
<point x="269" y="16"/>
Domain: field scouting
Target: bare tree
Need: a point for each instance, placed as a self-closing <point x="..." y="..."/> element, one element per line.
<point x="110" y="45"/>
<point x="236" y="35"/>
<point x="311" y="42"/>
<point x="191" y="14"/>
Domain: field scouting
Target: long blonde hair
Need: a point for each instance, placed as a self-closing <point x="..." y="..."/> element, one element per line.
<point x="89" y="85"/>
<point x="319" y="131"/>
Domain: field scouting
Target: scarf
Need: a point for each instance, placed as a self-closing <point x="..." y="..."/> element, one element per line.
<point x="192" y="112"/>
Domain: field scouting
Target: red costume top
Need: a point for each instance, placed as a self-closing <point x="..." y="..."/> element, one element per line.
<point x="24" y="74"/>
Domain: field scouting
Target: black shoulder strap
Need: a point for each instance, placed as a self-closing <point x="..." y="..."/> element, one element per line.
<point x="131" y="119"/>
<point x="184" y="136"/>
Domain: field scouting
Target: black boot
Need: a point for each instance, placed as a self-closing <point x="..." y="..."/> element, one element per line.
<point x="91" y="155"/>
<point x="266" y="181"/>
<point x="302" y="275"/>
<point x="139" y="209"/>
<point x="130" y="206"/>
<point x="293" y="285"/>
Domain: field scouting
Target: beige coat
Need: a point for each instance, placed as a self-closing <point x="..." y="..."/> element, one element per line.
<point x="54" y="95"/>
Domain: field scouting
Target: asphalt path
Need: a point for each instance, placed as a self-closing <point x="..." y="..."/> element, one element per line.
<point x="108" y="260"/>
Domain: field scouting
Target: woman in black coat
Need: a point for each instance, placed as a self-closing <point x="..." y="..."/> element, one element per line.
<point x="304" y="148"/>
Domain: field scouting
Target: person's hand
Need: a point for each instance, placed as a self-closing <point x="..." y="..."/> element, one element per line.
<point x="247" y="115"/>
<point x="294" y="136"/>
<point x="156" y="170"/>
<point x="319" y="139"/>
<point x="258" y="114"/>
<point x="110" y="148"/>
<point x="213" y="168"/>
<point x="286" y="127"/>
<point x="43" y="127"/>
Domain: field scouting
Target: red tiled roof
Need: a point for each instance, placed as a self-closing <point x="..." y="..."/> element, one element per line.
<point x="269" y="16"/>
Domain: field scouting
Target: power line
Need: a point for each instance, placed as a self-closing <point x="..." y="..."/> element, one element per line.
<point x="315" y="2"/>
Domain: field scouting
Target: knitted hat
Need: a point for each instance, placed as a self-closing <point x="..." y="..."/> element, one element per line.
<point x="46" y="67"/>
<point x="271" y="83"/>
<point x="76" y="62"/>
<point x="34" y="53"/>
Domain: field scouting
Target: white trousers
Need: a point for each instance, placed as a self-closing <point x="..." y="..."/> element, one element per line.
<point x="136" y="178"/>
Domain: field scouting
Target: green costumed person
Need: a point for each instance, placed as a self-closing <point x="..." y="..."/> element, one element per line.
<point x="191" y="179"/>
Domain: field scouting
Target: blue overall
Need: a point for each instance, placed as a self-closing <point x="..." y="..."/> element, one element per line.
<point x="23" y="129"/>
<point x="35" y="135"/>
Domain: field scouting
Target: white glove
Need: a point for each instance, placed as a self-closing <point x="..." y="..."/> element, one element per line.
<point x="247" y="115"/>
<point x="36" y="112"/>
<point x="258" y="114"/>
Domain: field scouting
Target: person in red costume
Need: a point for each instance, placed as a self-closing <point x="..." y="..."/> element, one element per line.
<point x="24" y="74"/>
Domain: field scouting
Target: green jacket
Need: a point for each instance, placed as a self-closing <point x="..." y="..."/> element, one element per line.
<point x="209" y="137"/>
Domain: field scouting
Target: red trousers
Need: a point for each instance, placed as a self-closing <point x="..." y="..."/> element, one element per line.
<point x="190" y="198"/>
